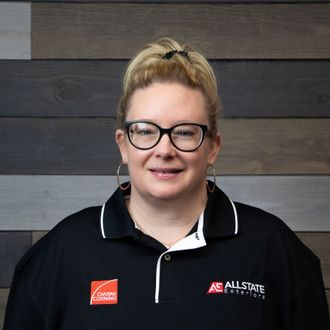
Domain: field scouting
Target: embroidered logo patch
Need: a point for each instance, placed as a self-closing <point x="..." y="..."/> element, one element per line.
<point x="215" y="287"/>
<point x="104" y="292"/>
<point x="242" y="288"/>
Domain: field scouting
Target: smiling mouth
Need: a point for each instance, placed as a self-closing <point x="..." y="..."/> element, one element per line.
<point x="166" y="171"/>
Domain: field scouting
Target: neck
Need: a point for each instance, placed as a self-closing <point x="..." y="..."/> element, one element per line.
<point x="168" y="221"/>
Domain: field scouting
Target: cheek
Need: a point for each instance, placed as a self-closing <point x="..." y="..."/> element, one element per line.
<point x="136" y="158"/>
<point x="198" y="162"/>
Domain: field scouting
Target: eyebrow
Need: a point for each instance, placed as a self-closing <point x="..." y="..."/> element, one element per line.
<point x="183" y="121"/>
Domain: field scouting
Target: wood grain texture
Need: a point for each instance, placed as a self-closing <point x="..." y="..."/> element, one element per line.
<point x="274" y="88"/>
<point x="87" y="146"/>
<point x="274" y="146"/>
<point x="91" y="88"/>
<point x="3" y="302"/>
<point x="12" y="247"/>
<point x="60" y="88"/>
<point x="303" y="202"/>
<point x="53" y="146"/>
<point x="319" y="243"/>
<point x="37" y="235"/>
<point x="271" y="31"/>
<point x="15" y="30"/>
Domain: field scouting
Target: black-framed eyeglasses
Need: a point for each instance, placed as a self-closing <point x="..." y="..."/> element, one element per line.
<point x="145" y="135"/>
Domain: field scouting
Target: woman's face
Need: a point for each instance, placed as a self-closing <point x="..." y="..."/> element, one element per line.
<point x="164" y="172"/>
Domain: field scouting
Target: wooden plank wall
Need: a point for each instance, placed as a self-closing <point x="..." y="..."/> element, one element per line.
<point x="61" y="64"/>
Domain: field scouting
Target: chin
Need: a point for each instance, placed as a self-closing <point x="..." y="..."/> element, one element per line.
<point x="163" y="192"/>
<point x="164" y="196"/>
<point x="173" y="193"/>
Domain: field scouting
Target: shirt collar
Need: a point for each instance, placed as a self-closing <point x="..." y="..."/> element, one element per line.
<point x="220" y="216"/>
<point x="115" y="220"/>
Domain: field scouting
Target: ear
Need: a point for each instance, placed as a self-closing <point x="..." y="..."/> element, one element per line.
<point x="122" y="144"/>
<point x="215" y="146"/>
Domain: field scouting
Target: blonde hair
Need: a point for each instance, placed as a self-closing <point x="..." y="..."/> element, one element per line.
<point x="167" y="61"/>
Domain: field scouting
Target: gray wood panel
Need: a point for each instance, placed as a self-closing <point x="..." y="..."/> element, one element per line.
<point x="319" y="243"/>
<point x="92" y="88"/>
<point x="15" y="30"/>
<point x="221" y="31"/>
<point x="87" y="146"/>
<point x="36" y="235"/>
<point x="12" y="247"/>
<point x="303" y="202"/>
<point x="274" y="146"/>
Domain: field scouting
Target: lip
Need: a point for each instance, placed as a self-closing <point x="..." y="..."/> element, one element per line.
<point x="165" y="172"/>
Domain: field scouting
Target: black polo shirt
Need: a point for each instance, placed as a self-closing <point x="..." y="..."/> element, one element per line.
<point x="239" y="268"/>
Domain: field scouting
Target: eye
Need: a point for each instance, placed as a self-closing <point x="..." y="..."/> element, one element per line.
<point x="141" y="129"/>
<point x="185" y="132"/>
<point x="144" y="131"/>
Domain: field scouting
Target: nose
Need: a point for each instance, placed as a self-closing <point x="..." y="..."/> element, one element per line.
<point x="165" y="148"/>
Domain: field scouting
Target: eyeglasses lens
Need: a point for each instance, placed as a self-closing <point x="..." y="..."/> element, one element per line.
<point x="185" y="137"/>
<point x="143" y="135"/>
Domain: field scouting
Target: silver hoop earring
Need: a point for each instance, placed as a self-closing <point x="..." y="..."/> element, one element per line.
<point x="123" y="188"/>
<point x="211" y="189"/>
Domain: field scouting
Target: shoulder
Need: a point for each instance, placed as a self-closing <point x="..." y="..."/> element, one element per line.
<point x="259" y="221"/>
<point x="80" y="222"/>
<point x="275" y="235"/>
<point x="79" y="228"/>
<point x="252" y="218"/>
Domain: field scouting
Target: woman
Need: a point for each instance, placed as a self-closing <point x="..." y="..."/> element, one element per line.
<point x="169" y="250"/>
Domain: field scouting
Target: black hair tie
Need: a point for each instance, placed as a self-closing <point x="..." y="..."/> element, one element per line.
<point x="171" y="53"/>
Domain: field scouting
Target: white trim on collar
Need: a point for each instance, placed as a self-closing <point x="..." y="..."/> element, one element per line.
<point x="193" y="241"/>
<point x="236" y="218"/>
<point x="188" y="243"/>
<point x="102" y="221"/>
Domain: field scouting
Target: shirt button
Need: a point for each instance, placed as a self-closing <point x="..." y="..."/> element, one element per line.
<point x="167" y="257"/>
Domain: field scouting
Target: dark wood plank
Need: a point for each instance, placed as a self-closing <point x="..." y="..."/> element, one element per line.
<point x="15" y="27"/>
<point x="226" y="31"/>
<point x="45" y="200"/>
<point x="92" y="88"/>
<point x="12" y="247"/>
<point x="3" y="302"/>
<point x="274" y="88"/>
<point x="57" y="146"/>
<point x="60" y="88"/>
<point x="319" y="243"/>
<point x="87" y="146"/>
